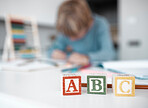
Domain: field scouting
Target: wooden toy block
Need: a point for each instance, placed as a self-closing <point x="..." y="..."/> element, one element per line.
<point x="96" y="84"/>
<point x="71" y="85"/>
<point x="124" y="85"/>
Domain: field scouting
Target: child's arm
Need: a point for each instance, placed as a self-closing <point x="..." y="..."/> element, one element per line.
<point x="59" y="45"/>
<point x="107" y="51"/>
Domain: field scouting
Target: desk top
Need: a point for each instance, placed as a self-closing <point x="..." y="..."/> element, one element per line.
<point x="42" y="87"/>
<point x="45" y="87"/>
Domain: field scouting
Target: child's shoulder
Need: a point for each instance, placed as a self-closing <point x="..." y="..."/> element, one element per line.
<point x="99" y="18"/>
<point x="100" y="21"/>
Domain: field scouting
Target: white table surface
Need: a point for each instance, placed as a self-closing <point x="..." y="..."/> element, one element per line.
<point x="42" y="90"/>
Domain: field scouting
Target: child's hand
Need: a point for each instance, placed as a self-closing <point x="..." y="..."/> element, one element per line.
<point x="78" y="59"/>
<point x="58" y="54"/>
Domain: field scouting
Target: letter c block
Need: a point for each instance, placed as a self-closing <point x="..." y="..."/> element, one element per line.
<point x="124" y="85"/>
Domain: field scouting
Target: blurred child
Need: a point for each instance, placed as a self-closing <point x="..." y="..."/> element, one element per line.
<point x="84" y="37"/>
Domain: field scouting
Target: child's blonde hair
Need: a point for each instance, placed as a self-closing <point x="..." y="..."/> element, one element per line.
<point x="73" y="16"/>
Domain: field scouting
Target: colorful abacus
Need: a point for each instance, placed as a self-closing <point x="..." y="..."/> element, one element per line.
<point x="17" y="41"/>
<point x="18" y="35"/>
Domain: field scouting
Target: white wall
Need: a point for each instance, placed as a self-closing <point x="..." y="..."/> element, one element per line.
<point x="133" y="27"/>
<point x="44" y="11"/>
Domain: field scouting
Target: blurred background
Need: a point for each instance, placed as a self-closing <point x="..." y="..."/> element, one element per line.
<point x="128" y="22"/>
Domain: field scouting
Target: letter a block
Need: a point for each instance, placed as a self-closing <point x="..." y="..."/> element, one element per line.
<point x="124" y="85"/>
<point x="96" y="84"/>
<point x="71" y="85"/>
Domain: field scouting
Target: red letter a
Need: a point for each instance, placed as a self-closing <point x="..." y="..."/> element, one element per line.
<point x="73" y="85"/>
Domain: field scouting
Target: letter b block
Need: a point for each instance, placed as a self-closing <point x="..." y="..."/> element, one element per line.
<point x="71" y="85"/>
<point x="96" y="84"/>
<point x="124" y="85"/>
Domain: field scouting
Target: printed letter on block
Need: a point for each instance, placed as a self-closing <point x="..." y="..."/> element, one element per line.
<point x="124" y="85"/>
<point x="96" y="84"/>
<point x="71" y="85"/>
